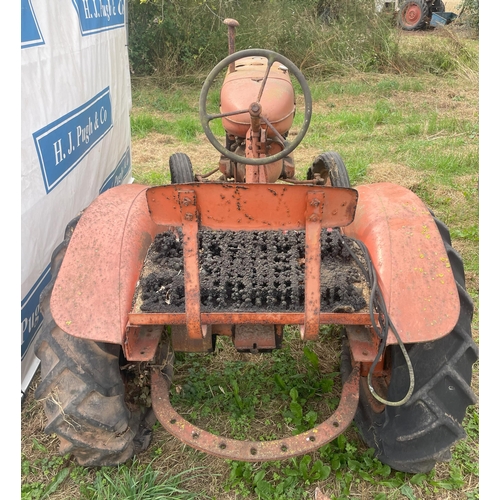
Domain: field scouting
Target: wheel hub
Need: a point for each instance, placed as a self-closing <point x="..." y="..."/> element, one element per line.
<point x="412" y="14"/>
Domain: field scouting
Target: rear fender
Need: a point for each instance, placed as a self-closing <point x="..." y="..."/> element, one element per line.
<point x="412" y="266"/>
<point x="96" y="283"/>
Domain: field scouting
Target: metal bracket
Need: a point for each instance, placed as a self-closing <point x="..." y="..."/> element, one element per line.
<point x="189" y="214"/>
<point x="141" y="342"/>
<point x="364" y="345"/>
<point x="254" y="338"/>
<point x="312" y="275"/>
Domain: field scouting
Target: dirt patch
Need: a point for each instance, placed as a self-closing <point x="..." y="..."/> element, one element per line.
<point x="251" y="271"/>
<point x="396" y="174"/>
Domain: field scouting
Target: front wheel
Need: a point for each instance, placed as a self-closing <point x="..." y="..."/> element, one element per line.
<point x="414" y="436"/>
<point x="181" y="169"/>
<point x="331" y="168"/>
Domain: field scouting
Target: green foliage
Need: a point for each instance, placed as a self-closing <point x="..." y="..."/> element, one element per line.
<point x="137" y="481"/>
<point x="343" y="465"/>
<point x="470" y="13"/>
<point x="174" y="101"/>
<point x="308" y="474"/>
<point x="321" y="37"/>
<point x="41" y="491"/>
<point x="53" y="469"/>
<point x="242" y="387"/>
<point x="131" y="481"/>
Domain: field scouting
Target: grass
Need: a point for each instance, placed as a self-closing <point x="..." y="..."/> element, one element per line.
<point x="421" y="133"/>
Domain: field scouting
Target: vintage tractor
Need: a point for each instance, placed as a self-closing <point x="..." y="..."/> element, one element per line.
<point x="412" y="15"/>
<point x="146" y="272"/>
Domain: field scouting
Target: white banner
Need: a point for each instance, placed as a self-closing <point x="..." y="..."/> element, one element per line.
<point x="75" y="131"/>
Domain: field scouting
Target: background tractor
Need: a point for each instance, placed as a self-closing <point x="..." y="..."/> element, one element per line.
<point x="146" y="272"/>
<point x="412" y="14"/>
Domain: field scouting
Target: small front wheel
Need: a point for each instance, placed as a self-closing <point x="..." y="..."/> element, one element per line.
<point x="181" y="169"/>
<point x="331" y="168"/>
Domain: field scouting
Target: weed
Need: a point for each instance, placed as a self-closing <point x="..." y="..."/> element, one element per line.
<point x="140" y="482"/>
<point x="52" y="469"/>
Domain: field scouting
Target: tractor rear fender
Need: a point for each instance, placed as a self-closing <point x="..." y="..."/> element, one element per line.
<point x="95" y="286"/>
<point x="409" y="257"/>
<point x="113" y="234"/>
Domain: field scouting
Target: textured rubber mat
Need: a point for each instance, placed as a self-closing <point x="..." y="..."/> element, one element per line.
<point x="251" y="271"/>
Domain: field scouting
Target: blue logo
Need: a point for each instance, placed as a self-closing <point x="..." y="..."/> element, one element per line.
<point x="64" y="143"/>
<point x="100" y="15"/>
<point x="116" y="177"/>
<point x="30" y="31"/>
<point x="31" y="317"/>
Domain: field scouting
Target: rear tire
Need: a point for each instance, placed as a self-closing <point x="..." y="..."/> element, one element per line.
<point x="331" y="169"/>
<point x="82" y="390"/>
<point x="413" y="15"/>
<point x="181" y="169"/>
<point x="414" y="436"/>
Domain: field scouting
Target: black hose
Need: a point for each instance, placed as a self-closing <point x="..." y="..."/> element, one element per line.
<point x="377" y="304"/>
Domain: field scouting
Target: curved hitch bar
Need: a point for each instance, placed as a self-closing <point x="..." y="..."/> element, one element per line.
<point x="255" y="451"/>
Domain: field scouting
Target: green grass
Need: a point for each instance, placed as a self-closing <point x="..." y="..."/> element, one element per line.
<point x="137" y="481"/>
<point x="185" y="128"/>
<point x="174" y="101"/>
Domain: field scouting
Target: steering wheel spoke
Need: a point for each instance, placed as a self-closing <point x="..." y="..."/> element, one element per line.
<point x="280" y="138"/>
<point x="223" y="115"/>
<point x="270" y="62"/>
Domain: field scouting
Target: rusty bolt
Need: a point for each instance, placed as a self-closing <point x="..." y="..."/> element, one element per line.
<point x="255" y="108"/>
<point x="314" y="218"/>
<point x="188" y="216"/>
<point x="186" y="202"/>
<point x="315" y="202"/>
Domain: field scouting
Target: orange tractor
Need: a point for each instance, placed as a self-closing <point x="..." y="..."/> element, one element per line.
<point x="146" y="272"/>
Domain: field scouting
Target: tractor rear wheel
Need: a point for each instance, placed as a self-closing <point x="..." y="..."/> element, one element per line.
<point x="414" y="436"/>
<point x="181" y="169"/>
<point x="331" y="169"/>
<point x="82" y="390"/>
<point x="413" y="14"/>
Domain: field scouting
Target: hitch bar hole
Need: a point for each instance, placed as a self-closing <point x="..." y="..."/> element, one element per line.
<point x="284" y="448"/>
<point x="335" y="423"/>
<point x="311" y="438"/>
<point x="253" y="451"/>
<point x="222" y="446"/>
<point x="195" y="435"/>
<point x="173" y="421"/>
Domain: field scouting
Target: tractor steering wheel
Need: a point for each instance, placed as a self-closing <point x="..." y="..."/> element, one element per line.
<point x="271" y="57"/>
